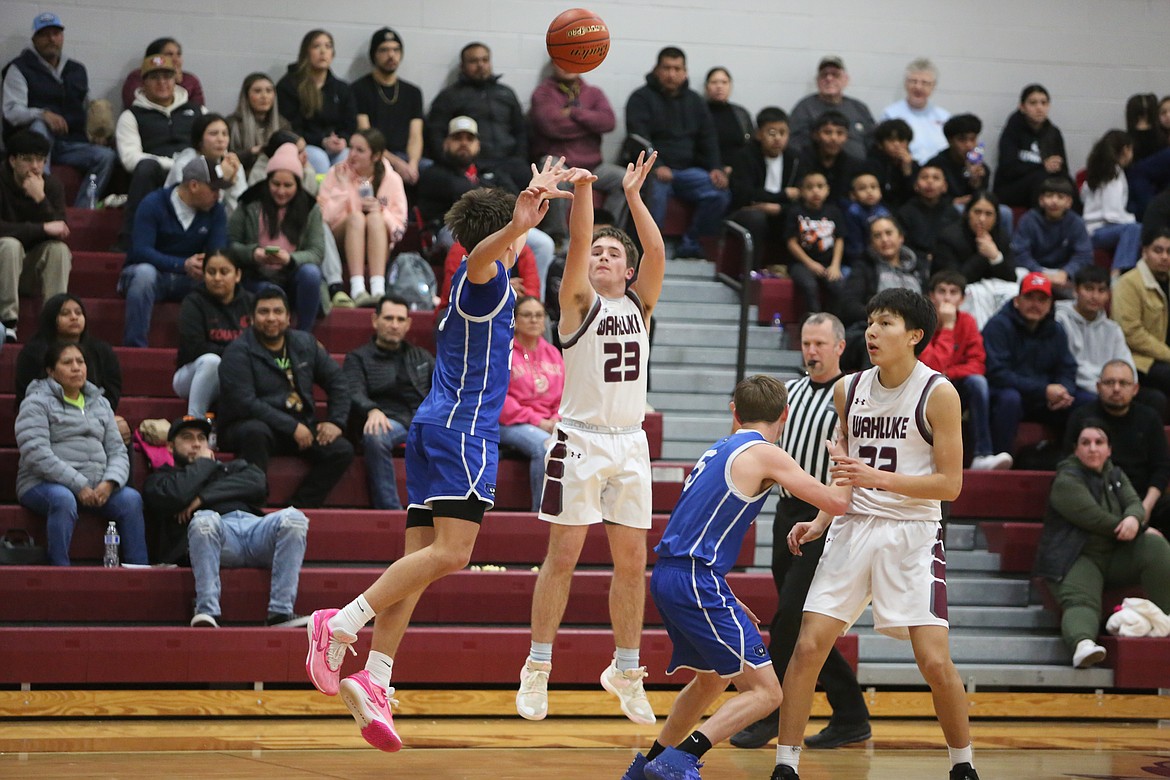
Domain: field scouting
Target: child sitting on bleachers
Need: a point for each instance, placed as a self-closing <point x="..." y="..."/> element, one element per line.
<point x="864" y="207"/>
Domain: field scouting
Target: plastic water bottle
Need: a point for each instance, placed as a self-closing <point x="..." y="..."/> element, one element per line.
<point x="91" y="192"/>
<point x="212" y="439"/>
<point x="110" y="559"/>
<point x="778" y="329"/>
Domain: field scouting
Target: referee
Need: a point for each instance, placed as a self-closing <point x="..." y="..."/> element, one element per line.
<point x="812" y="418"/>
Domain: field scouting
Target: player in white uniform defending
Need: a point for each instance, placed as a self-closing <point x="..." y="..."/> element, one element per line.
<point x="902" y="426"/>
<point x="598" y="469"/>
<point x="712" y="632"/>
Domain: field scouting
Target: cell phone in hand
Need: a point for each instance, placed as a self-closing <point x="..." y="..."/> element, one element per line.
<point x="271" y="250"/>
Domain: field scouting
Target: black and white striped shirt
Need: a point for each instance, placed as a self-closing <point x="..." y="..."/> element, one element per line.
<point x="812" y="418"/>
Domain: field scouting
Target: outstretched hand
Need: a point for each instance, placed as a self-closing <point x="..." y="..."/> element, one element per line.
<point x="636" y="172"/>
<point x="531" y="206"/>
<point x="549" y="176"/>
<point x="581" y="176"/>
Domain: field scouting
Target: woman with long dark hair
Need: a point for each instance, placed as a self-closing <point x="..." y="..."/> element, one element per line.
<point x="209" y="137"/>
<point x="979" y="247"/>
<point x="319" y="106"/>
<point x="255" y="119"/>
<point x="1105" y="194"/>
<point x="277" y="236"/>
<point x="1031" y="149"/>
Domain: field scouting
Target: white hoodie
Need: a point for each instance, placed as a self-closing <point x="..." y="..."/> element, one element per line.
<point x="126" y="133"/>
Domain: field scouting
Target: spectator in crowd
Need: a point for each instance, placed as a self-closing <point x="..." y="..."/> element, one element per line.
<point x="568" y="118"/>
<point x="977" y="246"/>
<point x="213" y="315"/>
<point x="924" y="118"/>
<point x="63" y="320"/>
<point x="478" y="93"/>
<point x="32" y="227"/>
<point x="832" y="80"/>
<point x="1140" y="307"/>
<point x="1051" y="238"/>
<point x="733" y="123"/>
<point x="1142" y="125"/>
<point x="72" y="457"/>
<point x="763" y="183"/>
<point x="826" y="154"/>
<point x="48" y="93"/>
<point x="174" y="229"/>
<point x="388" y="379"/>
<point x="1105" y="195"/>
<point x="189" y="82"/>
<point x="319" y="106"/>
<point x="277" y="237"/>
<point x="255" y="119"/>
<point x="956" y="350"/>
<point x="1093" y="338"/>
<point x="1095" y="536"/>
<point x="814" y="232"/>
<point x="392" y="106"/>
<point x="890" y="159"/>
<point x="271" y="370"/>
<point x="211" y="513"/>
<point x="363" y="202"/>
<point x="962" y="161"/>
<point x="928" y="213"/>
<point x="1157" y="214"/>
<point x="155" y="128"/>
<point x="677" y="123"/>
<point x="1032" y="373"/>
<point x="865" y="205"/>
<point x="1138" y="432"/>
<point x="523" y="276"/>
<point x="278" y="139"/>
<point x="534" y="393"/>
<point x="888" y="264"/>
<point x="1031" y="149"/>
<point x="459" y="170"/>
<point x="209" y="137"/>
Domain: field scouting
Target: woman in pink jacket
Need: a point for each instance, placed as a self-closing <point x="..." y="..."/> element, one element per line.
<point x="364" y="204"/>
<point x="534" y="395"/>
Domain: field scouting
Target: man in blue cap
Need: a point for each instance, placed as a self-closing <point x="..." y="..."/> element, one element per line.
<point x="48" y="93"/>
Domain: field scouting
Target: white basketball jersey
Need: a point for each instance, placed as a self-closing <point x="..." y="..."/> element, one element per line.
<point x="888" y="430"/>
<point x="606" y="361"/>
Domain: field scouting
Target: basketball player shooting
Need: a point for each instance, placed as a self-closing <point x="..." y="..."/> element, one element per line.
<point x="598" y="470"/>
<point x="903" y="435"/>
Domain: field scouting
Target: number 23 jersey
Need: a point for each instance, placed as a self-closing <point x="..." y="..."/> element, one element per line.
<point x="888" y="430"/>
<point x="605" y="365"/>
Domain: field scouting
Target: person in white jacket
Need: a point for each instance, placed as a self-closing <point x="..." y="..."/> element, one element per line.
<point x="1105" y="194"/>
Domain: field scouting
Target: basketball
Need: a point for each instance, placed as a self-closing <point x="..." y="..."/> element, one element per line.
<point x="577" y="40"/>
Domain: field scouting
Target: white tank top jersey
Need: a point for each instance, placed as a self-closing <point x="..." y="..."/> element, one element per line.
<point x="606" y="360"/>
<point x="888" y="430"/>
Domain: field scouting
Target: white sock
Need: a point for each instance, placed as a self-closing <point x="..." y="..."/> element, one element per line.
<point x="960" y="755"/>
<point x="541" y="652"/>
<point x="380" y="665"/>
<point x="377" y="286"/>
<point x="788" y="755"/>
<point x="357" y="286"/>
<point x="625" y="658"/>
<point x="352" y="616"/>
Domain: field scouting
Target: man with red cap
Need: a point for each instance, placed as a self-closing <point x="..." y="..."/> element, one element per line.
<point x="1031" y="371"/>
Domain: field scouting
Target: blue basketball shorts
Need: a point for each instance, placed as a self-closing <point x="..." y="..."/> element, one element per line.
<point x="447" y="465"/>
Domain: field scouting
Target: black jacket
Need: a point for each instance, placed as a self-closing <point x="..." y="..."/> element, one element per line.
<point x="207" y="325"/>
<point x="922" y="224"/>
<point x="101" y="364"/>
<point x="679" y="125"/>
<point x="955" y="250"/>
<point x="897" y="188"/>
<point x="443" y="183"/>
<point x="20" y="216"/>
<point x="372" y="377"/>
<point x="1138" y="441"/>
<point x="839" y="175"/>
<point x="338" y="112"/>
<point x="253" y="387"/>
<point x="748" y="172"/>
<point x="958" y="185"/>
<point x="64" y="94"/>
<point x="503" y="131"/>
<point x="1022" y="150"/>
<point x="733" y="127"/>
<point x="222" y="487"/>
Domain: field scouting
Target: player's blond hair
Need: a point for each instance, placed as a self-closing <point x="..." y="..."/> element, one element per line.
<point x="478" y="214"/>
<point x="760" y="398"/>
<point x="623" y="238"/>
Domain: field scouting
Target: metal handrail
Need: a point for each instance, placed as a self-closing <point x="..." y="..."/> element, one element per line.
<point x="744" y="288"/>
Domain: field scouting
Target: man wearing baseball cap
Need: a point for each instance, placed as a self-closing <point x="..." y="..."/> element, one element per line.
<point x="391" y="105"/>
<point x="49" y="94"/>
<point x="832" y="79"/>
<point x="174" y="229"/>
<point x="210" y="512"/>
<point x="1032" y="373"/>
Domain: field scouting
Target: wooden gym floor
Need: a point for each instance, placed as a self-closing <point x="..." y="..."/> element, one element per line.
<point x="295" y="748"/>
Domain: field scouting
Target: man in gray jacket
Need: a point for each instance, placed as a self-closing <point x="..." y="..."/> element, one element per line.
<point x="266" y="404"/>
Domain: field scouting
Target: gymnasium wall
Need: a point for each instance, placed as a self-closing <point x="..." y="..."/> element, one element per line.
<point x="1091" y="54"/>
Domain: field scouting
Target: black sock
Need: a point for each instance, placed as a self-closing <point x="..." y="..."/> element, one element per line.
<point x="655" y="751"/>
<point x="696" y="744"/>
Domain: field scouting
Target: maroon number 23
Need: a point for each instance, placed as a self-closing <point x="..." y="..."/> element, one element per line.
<point x="622" y="361"/>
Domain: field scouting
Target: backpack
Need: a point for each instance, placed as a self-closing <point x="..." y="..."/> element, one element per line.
<point x="412" y="277"/>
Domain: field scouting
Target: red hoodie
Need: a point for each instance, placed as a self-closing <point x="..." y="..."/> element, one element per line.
<point x="957" y="352"/>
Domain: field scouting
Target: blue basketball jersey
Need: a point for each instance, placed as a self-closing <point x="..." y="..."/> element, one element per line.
<point x="711" y="517"/>
<point x="473" y="356"/>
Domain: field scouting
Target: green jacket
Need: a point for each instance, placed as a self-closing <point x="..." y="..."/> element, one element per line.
<point x="244" y="237"/>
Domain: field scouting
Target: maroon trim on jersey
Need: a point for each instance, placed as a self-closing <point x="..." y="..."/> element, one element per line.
<point x="553" y="500"/>
<point x="938" y="570"/>
<point x="589" y="318"/>
<point x="853" y="382"/>
<point x="633" y="296"/>
<point x="920" y="410"/>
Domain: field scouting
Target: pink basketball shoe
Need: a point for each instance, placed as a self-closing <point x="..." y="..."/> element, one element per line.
<point x="370" y="706"/>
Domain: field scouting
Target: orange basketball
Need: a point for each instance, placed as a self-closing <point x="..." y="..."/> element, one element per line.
<point x="577" y="40"/>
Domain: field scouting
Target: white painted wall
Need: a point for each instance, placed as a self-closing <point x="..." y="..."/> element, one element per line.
<point x="1091" y="54"/>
